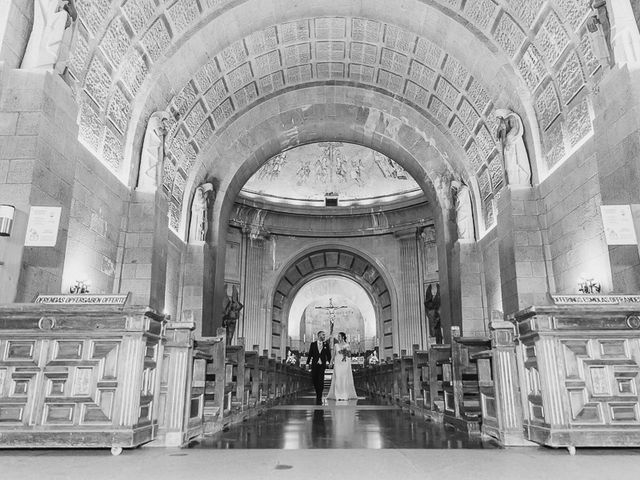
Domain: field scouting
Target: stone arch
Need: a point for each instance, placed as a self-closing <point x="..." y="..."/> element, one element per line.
<point x="416" y="144"/>
<point x="340" y="260"/>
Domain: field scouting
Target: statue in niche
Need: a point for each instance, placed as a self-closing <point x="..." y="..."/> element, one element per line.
<point x="153" y="152"/>
<point x="432" y="307"/>
<point x="464" y="213"/>
<point x="51" y="35"/>
<point x="599" y="27"/>
<point x="201" y="209"/>
<point x="514" y="153"/>
<point x="231" y="312"/>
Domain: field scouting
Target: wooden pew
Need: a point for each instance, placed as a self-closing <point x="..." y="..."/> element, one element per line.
<point x="462" y="392"/>
<point x="214" y="397"/>
<point x="420" y="384"/>
<point x="439" y="364"/>
<point x="252" y="377"/>
<point x="235" y="377"/>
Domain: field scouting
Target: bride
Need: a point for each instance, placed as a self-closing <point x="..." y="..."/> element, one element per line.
<point x="342" y="387"/>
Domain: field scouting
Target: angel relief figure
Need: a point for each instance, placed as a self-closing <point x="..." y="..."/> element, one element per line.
<point x="153" y="152"/>
<point x="514" y="154"/>
<point x="51" y="34"/>
<point x="303" y="173"/>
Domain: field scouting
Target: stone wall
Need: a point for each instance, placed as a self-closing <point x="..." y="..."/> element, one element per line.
<point x="278" y="251"/>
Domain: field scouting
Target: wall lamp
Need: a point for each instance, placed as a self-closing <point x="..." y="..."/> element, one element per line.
<point x="7" y="213"/>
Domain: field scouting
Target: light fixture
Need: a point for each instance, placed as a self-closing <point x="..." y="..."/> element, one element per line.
<point x="7" y="213"/>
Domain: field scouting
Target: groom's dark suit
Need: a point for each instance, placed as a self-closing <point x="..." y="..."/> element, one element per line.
<point x="319" y="358"/>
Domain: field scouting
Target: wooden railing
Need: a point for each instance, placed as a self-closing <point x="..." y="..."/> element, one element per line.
<point x="119" y="377"/>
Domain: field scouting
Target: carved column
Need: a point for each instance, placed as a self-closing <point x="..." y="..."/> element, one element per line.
<point x="254" y="326"/>
<point x="411" y="318"/>
<point x="175" y="386"/>
<point x="506" y="426"/>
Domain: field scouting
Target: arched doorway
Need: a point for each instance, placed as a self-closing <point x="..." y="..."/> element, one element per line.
<point x="333" y="298"/>
<point x="337" y="261"/>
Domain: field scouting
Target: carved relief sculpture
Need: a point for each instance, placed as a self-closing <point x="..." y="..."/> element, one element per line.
<point x="51" y="34"/>
<point x="432" y="308"/>
<point x="514" y="154"/>
<point x="153" y="153"/>
<point x="599" y="27"/>
<point x="464" y="213"/>
<point x="201" y="209"/>
<point x="231" y="312"/>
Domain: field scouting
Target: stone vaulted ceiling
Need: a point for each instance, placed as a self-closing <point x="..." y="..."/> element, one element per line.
<point x="545" y="44"/>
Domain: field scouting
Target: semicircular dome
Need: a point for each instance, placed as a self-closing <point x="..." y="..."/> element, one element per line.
<point x="310" y="174"/>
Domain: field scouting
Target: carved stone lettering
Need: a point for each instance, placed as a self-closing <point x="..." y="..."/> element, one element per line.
<point x="422" y="75"/>
<point x="271" y="83"/>
<point x="327" y="28"/>
<point x="400" y="40"/>
<point x="182" y="14"/>
<point x="548" y="106"/>
<point x="294" y="31"/>
<point x="364" y="53"/>
<point x="330" y="70"/>
<point x="330" y="51"/>
<point x="365" y="30"/>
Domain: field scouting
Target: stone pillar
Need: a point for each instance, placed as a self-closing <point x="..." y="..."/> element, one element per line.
<point x="617" y="143"/>
<point x="468" y="260"/>
<point x="38" y="160"/>
<point x="253" y="325"/>
<point x="428" y="252"/>
<point x="192" y="285"/>
<point x="410" y="321"/>
<point x="144" y="266"/>
<point x="523" y="271"/>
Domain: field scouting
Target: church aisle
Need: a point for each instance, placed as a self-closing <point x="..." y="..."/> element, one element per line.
<point x="360" y="423"/>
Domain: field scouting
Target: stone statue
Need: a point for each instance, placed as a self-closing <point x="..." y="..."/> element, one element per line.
<point x="464" y="212"/>
<point x="231" y="313"/>
<point x="514" y="153"/>
<point x="51" y="34"/>
<point x="153" y="152"/>
<point x="599" y="27"/>
<point x="432" y="308"/>
<point x="201" y="208"/>
<point x="428" y="234"/>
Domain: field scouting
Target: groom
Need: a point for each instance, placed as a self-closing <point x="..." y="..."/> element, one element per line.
<point x="319" y="356"/>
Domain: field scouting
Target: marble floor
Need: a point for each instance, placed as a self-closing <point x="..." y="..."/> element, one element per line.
<point x="337" y="440"/>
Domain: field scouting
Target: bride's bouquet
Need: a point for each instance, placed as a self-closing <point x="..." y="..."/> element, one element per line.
<point x="345" y="353"/>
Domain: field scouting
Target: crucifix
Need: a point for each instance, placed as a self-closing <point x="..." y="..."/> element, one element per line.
<point x="332" y="312"/>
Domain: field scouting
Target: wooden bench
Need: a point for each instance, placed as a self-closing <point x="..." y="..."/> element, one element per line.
<point x="462" y="391"/>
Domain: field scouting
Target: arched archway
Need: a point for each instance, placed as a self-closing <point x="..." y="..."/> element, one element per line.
<point x="335" y="260"/>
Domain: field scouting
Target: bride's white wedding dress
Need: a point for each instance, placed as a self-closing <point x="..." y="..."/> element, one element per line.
<point x="342" y="387"/>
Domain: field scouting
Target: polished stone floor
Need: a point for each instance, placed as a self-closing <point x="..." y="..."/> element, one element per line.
<point x="337" y="440"/>
<point x="340" y="424"/>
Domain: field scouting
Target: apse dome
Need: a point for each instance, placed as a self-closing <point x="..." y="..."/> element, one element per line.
<point x="330" y="174"/>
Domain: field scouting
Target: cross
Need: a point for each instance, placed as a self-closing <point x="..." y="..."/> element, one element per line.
<point x="332" y="311"/>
